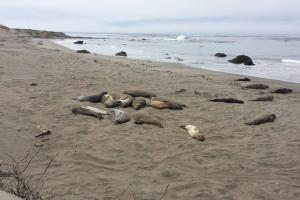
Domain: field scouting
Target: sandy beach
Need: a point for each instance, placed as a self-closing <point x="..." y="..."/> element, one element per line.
<point x="99" y="160"/>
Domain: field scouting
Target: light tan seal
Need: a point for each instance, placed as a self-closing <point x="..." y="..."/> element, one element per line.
<point x="264" y="98"/>
<point x="194" y="132"/>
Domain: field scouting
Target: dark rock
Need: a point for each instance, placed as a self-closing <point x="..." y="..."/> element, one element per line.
<point x="242" y="59"/>
<point x="168" y="57"/>
<point x="78" y="42"/>
<point x="243" y="79"/>
<point x="229" y="100"/>
<point x="221" y="55"/>
<point x="82" y="51"/>
<point x="122" y="53"/>
<point x="179" y="59"/>
<point x="282" y="91"/>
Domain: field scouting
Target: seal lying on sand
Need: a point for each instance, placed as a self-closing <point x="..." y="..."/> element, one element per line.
<point x="263" y="119"/>
<point x="140" y="93"/>
<point x="228" y="100"/>
<point x="109" y="101"/>
<point x="282" y="91"/>
<point x="170" y="101"/>
<point x="264" y="98"/>
<point x="125" y="101"/>
<point x="88" y="111"/>
<point x="194" y="132"/>
<point x="138" y="103"/>
<point x="120" y="116"/>
<point x="243" y="79"/>
<point x="92" y="98"/>
<point x="164" y="104"/>
<point x="141" y="118"/>
<point x="256" y="86"/>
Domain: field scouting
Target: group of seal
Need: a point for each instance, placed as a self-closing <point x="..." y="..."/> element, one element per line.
<point x="137" y="99"/>
<point x="267" y="117"/>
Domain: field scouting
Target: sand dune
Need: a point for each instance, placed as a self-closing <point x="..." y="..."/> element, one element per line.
<point x="98" y="160"/>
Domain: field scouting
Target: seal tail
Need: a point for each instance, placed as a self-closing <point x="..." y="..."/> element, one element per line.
<point x="183" y="127"/>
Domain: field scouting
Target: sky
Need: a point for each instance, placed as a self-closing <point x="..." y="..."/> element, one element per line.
<point x="254" y="17"/>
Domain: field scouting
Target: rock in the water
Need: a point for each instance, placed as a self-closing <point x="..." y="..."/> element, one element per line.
<point x="228" y="100"/>
<point x="122" y="53"/>
<point x="221" y="55"/>
<point x="82" y="51"/>
<point x="242" y="59"/>
<point x="282" y="91"/>
<point x="78" y="42"/>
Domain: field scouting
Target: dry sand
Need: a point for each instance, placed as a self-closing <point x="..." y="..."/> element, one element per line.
<point x="98" y="160"/>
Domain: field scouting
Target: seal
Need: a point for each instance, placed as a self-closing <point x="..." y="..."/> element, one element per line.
<point x="228" y="100"/>
<point x="120" y="116"/>
<point x="243" y="79"/>
<point x="86" y="111"/>
<point x="194" y="132"/>
<point x="138" y="103"/>
<point x="264" y="98"/>
<point x="141" y="118"/>
<point x="164" y="104"/>
<point x="106" y="97"/>
<point x="282" y="91"/>
<point x="256" y="86"/>
<point x="263" y="119"/>
<point x="170" y="101"/>
<point x="92" y="98"/>
<point x="125" y="101"/>
<point x="140" y="93"/>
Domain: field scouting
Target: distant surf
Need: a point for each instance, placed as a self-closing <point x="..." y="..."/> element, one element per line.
<point x="290" y="61"/>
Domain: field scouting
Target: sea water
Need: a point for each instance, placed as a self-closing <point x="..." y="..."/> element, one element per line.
<point x="274" y="57"/>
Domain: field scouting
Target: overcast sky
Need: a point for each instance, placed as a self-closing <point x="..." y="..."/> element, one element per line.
<point x="155" y="16"/>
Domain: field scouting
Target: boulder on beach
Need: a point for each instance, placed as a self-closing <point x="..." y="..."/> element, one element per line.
<point x="78" y="42"/>
<point x="122" y="53"/>
<point x="221" y="55"/>
<point x="4" y="27"/>
<point x="242" y="59"/>
<point x="82" y="51"/>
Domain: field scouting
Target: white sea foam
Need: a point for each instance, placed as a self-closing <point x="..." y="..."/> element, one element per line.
<point x="178" y="38"/>
<point x="290" y="61"/>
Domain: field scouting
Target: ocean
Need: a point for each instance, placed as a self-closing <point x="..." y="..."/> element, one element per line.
<point x="274" y="57"/>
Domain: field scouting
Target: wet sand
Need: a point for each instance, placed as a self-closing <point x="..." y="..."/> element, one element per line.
<point x="99" y="160"/>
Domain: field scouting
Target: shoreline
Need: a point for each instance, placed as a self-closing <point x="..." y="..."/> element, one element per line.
<point x="96" y="159"/>
<point x="176" y="66"/>
<point x="187" y="65"/>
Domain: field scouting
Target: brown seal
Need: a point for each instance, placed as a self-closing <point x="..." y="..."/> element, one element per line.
<point x="140" y="93"/>
<point x="256" y="86"/>
<point x="264" y="98"/>
<point x="164" y="104"/>
<point x="138" y="103"/>
<point x="228" y="100"/>
<point x="263" y="119"/>
<point x="92" y="98"/>
<point x="142" y="118"/>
